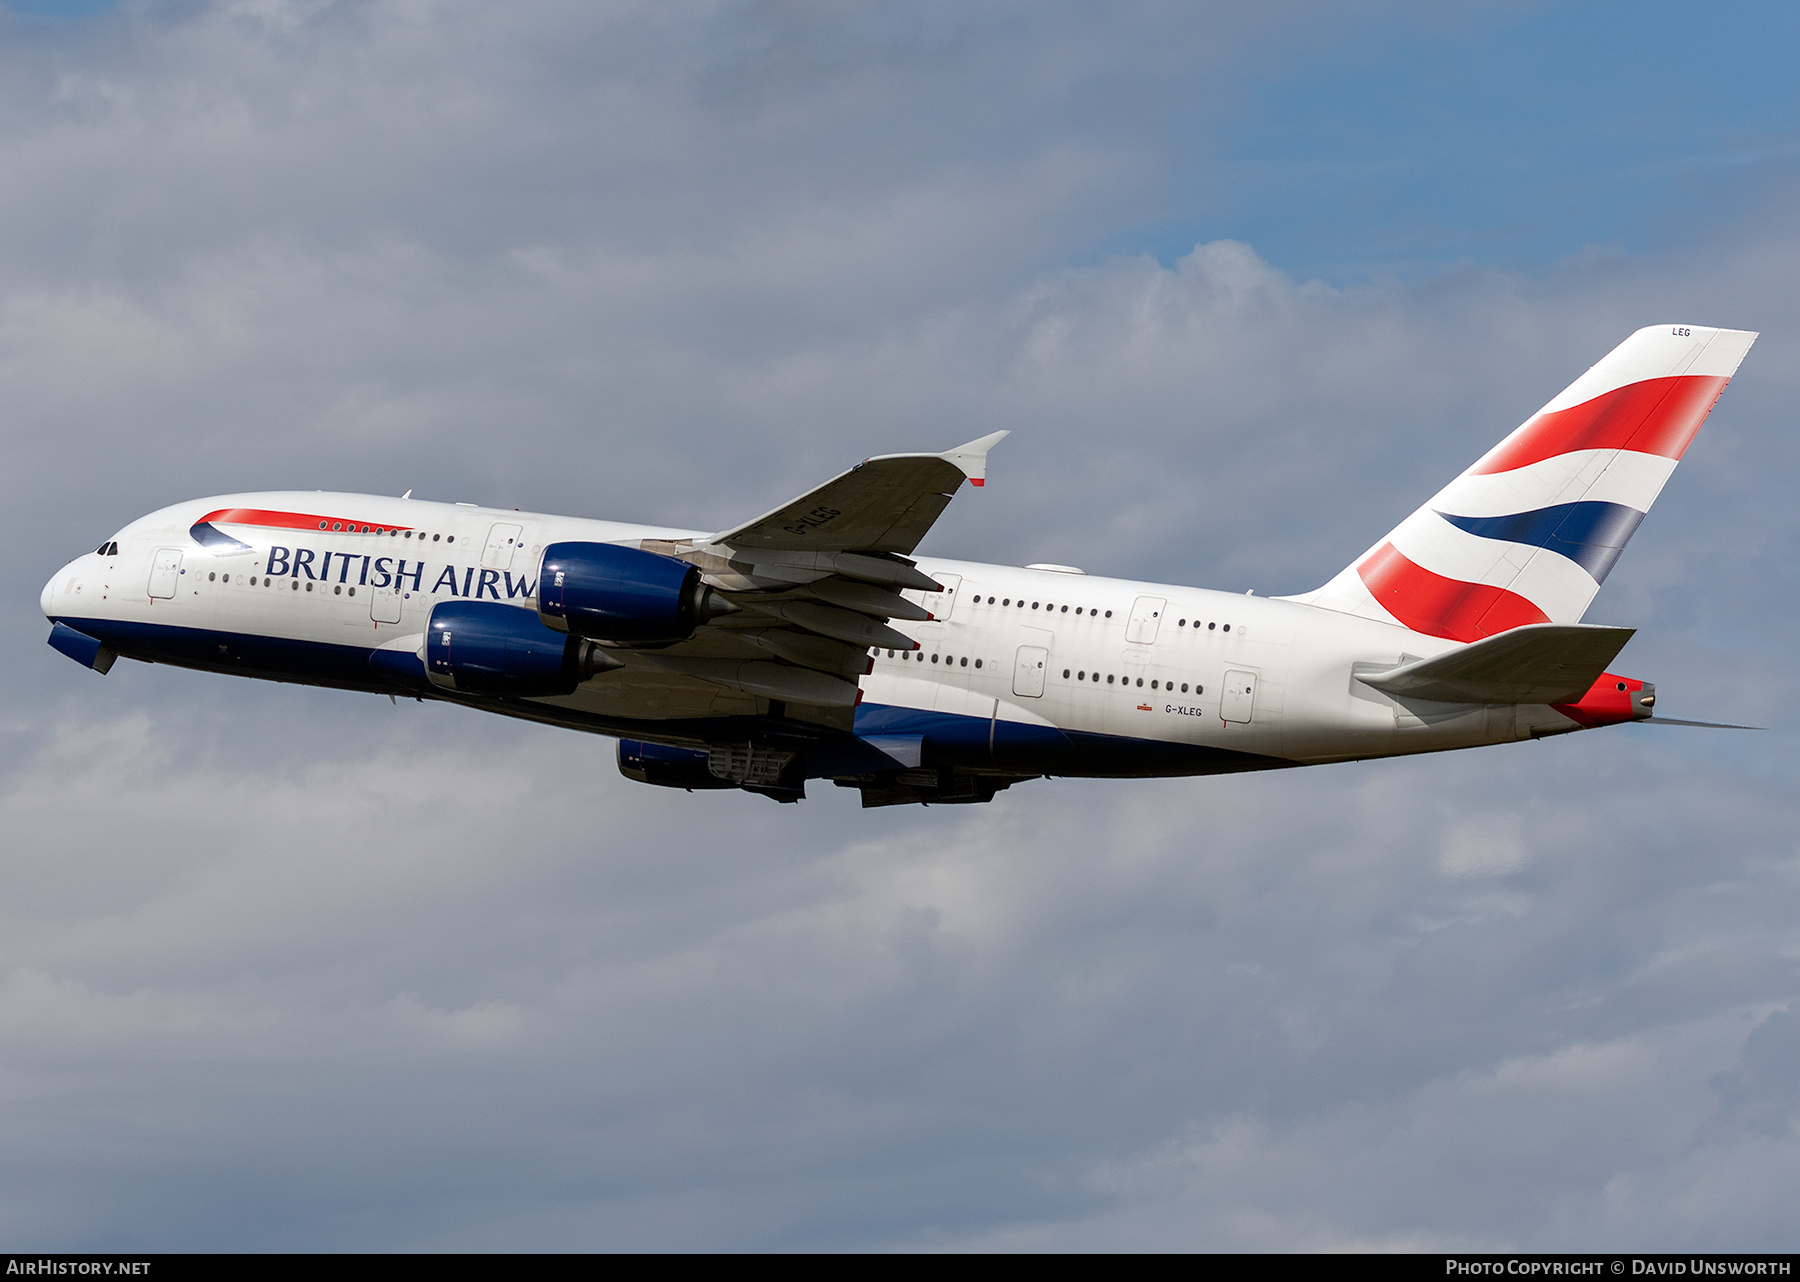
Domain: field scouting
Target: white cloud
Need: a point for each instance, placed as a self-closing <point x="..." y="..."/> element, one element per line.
<point x="1489" y="846"/>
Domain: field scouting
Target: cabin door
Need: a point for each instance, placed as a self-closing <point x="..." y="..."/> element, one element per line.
<point x="165" y="572"/>
<point x="1237" y="701"/>
<point x="1028" y="671"/>
<point x="1146" y="617"/>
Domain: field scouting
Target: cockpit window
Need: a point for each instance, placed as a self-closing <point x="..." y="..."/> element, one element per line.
<point x="108" y="548"/>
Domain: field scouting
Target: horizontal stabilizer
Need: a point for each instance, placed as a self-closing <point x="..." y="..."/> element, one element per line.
<point x="1538" y="663"/>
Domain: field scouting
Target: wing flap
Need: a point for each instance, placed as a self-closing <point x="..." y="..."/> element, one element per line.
<point x="810" y="650"/>
<point x="907" y="532"/>
<point x="769" y="680"/>
<point x="866" y="598"/>
<point x="827" y="620"/>
<point x="1539" y="663"/>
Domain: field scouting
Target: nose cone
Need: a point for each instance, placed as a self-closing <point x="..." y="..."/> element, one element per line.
<point x="52" y="600"/>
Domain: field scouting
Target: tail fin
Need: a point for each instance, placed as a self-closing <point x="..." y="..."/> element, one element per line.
<point x="1529" y="532"/>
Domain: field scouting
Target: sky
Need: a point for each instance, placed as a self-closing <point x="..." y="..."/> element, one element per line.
<point x="290" y="969"/>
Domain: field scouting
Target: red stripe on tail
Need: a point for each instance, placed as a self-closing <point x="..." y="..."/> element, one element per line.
<point x="1656" y="416"/>
<point x="1440" y="607"/>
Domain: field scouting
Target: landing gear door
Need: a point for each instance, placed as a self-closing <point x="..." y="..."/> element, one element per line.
<point x="165" y="572"/>
<point x="1237" y="701"/>
<point x="1028" y="671"/>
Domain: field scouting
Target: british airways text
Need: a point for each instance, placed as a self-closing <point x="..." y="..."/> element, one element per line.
<point x="384" y="571"/>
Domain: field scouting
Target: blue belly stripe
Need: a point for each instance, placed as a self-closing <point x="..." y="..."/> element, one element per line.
<point x="1590" y="534"/>
<point x="947" y="739"/>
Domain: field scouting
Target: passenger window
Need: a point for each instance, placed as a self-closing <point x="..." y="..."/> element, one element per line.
<point x="1065" y="674"/>
<point x="963" y="662"/>
<point x="1109" y="614"/>
<point x="1109" y="679"/>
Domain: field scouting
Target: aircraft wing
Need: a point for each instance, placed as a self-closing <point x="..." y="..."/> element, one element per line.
<point x="882" y="505"/>
<point x="819" y="581"/>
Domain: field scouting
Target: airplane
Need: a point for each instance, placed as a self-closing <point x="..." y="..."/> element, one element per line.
<point x="812" y="643"/>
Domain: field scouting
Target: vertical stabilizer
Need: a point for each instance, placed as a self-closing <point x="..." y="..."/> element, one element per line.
<point x="1528" y="534"/>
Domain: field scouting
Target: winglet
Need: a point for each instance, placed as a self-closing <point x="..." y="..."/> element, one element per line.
<point x="972" y="458"/>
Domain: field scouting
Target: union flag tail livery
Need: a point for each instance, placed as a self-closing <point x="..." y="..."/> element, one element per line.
<point x="1529" y="533"/>
<point x="813" y="643"/>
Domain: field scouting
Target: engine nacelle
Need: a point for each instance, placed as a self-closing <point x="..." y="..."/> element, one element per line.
<point x="482" y="647"/>
<point x="612" y="593"/>
<point x="667" y="767"/>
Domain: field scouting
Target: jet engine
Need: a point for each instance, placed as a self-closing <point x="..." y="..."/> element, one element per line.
<point x="612" y="593"/>
<point x="483" y="647"/>
<point x="667" y="767"/>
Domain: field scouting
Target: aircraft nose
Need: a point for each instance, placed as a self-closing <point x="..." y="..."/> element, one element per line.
<point x="47" y="599"/>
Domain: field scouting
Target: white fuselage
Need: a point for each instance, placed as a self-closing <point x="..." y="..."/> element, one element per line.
<point x="1103" y="659"/>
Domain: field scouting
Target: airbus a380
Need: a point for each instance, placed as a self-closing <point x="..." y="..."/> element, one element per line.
<point x="812" y="643"/>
